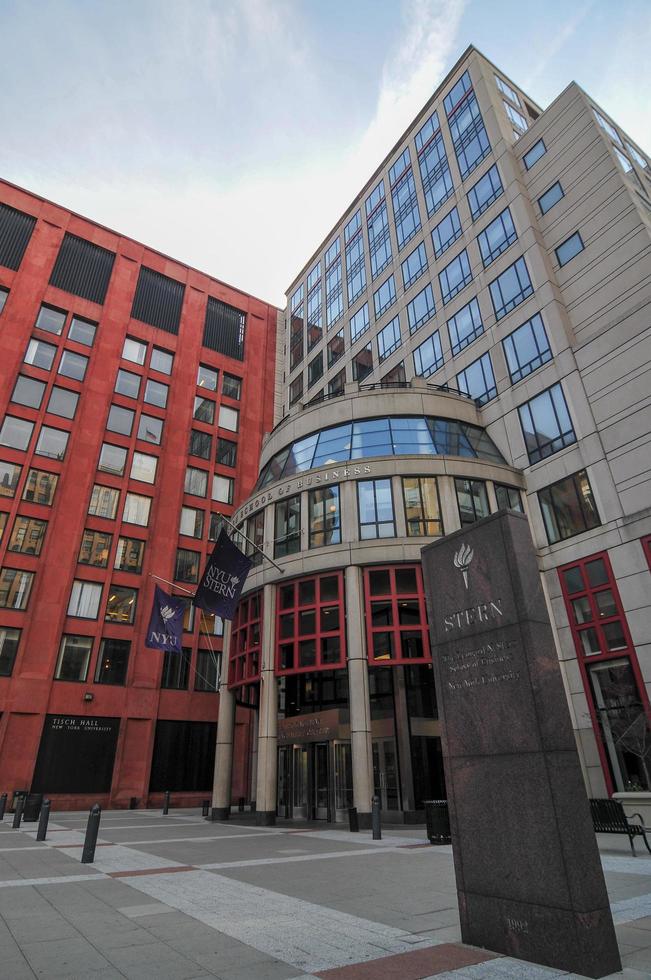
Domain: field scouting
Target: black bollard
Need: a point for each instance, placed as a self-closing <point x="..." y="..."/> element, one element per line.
<point x="375" y="819"/>
<point x="43" y="819"/>
<point x="166" y="804"/>
<point x="3" y="805"/>
<point x="353" y="822"/>
<point x="205" y="807"/>
<point x="92" y="830"/>
<point x="18" y="812"/>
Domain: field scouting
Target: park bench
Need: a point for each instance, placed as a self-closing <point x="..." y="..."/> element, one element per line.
<point x="608" y="817"/>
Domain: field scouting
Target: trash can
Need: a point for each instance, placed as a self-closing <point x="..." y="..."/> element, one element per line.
<point x="18" y="793"/>
<point x="32" y="809"/>
<point x="437" y="820"/>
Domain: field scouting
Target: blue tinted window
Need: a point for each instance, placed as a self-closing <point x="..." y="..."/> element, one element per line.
<point x="496" y="237"/>
<point x="384" y="297"/>
<point x="446" y="232"/>
<point x="334" y="291"/>
<point x="314" y="276"/>
<point x="353" y="226"/>
<point x="455" y="276"/>
<point x="433" y="164"/>
<point x="428" y="356"/>
<point x="375" y="501"/>
<point x="314" y="315"/>
<point x="379" y="239"/>
<point x="332" y="252"/>
<point x="511" y="288"/>
<point x="296" y="298"/>
<point x="359" y="323"/>
<point x="478" y="380"/>
<point x="465" y="326"/>
<point x="414" y="266"/>
<point x="421" y="308"/>
<point x="371" y="438"/>
<point x="469" y="136"/>
<point x="550" y="197"/>
<point x="527" y="348"/>
<point x="482" y="194"/>
<point x="546" y="424"/>
<point x="426" y="132"/>
<point x="389" y="339"/>
<point x="534" y="154"/>
<point x="355" y="268"/>
<point x="570" y="247"/>
<point x="405" y="205"/>
<point x="456" y="93"/>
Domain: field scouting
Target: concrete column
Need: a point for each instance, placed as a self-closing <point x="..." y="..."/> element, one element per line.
<point x="254" y="757"/>
<point x="221" y="791"/>
<point x="359" y="699"/>
<point x="267" y="779"/>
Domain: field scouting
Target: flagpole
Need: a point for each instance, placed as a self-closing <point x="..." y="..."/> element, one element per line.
<point x="252" y="543"/>
<point x="173" y="584"/>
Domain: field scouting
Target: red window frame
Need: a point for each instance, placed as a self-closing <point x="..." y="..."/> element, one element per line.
<point x="292" y="607"/>
<point x="245" y="651"/>
<point x="395" y="628"/>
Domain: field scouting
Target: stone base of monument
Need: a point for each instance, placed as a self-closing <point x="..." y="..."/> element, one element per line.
<point x="529" y="877"/>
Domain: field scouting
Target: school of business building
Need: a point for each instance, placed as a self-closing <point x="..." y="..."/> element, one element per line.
<point x="474" y="334"/>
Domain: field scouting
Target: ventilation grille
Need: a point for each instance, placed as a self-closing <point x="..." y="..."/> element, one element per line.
<point x="83" y="269"/>
<point x="15" y="232"/>
<point x="158" y="300"/>
<point x="224" y="329"/>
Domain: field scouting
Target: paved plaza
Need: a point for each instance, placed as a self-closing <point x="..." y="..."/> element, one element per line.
<point x="175" y="897"/>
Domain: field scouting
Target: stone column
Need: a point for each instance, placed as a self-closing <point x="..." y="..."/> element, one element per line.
<point x="254" y="757"/>
<point x="359" y="700"/>
<point x="267" y="779"/>
<point x="221" y="791"/>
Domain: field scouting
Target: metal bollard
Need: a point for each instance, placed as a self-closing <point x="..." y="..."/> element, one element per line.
<point x="353" y="822"/>
<point x="205" y="807"/>
<point x="3" y="805"/>
<point x="43" y="819"/>
<point x="18" y="812"/>
<point x="92" y="830"/>
<point x="166" y="804"/>
<point x="240" y="805"/>
<point x="375" y="819"/>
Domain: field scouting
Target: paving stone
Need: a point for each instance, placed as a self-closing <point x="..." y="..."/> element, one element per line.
<point x="65" y="958"/>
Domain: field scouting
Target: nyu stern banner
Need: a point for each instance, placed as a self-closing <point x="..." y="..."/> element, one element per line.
<point x="224" y="578"/>
<point x="166" y="622"/>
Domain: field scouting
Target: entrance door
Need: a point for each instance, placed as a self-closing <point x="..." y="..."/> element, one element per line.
<point x="385" y="773"/>
<point x="299" y="787"/>
<point x="343" y="780"/>
<point x="283" y="806"/>
<point x="320" y="772"/>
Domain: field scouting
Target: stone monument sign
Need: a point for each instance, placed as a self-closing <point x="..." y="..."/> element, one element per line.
<point x="528" y="874"/>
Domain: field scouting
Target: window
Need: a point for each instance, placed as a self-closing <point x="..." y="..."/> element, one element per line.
<point x="9" y="476"/>
<point x="315" y="370"/>
<point x="376" y="517"/>
<point x="150" y="429"/>
<point x="204" y="410"/>
<point x="51" y="442"/>
<point x="414" y="266"/>
<point x="496" y="237"/>
<point x="310" y="625"/>
<point x="112" y="662"/>
<point x="287" y="526"/>
<point x="569" y="248"/>
<point x="40" y="355"/>
<point x="3" y="299"/>
<point x="207" y="377"/>
<point x="28" y="391"/>
<point x="200" y="444"/>
<point x="85" y="598"/>
<point x="527" y="348"/>
<point x="16" y="433"/>
<point x="446" y="232"/>
<point x="196" y="481"/>
<point x="478" y="380"/>
<point x="469" y="136"/>
<point x="421" y="309"/>
<point x="161" y="360"/>
<point x="112" y="459"/>
<point x="187" y="565"/>
<point x="136" y="509"/>
<point x="422" y="508"/>
<point x="222" y="489"/>
<point x="82" y="331"/>
<point x="73" y="365"/>
<point x="568" y="507"/>
<point x="594" y="608"/>
<point x="121" y="605"/>
<point x="359" y="323"/>
<point x="534" y="154"/>
<point x="506" y="90"/>
<point x="546" y="424"/>
<point x="334" y="289"/>
<point x="433" y="163"/>
<point x="551" y="197"/>
<point x="191" y="522"/>
<point x="362" y="363"/>
<point x="120" y="420"/>
<point x="396" y="617"/>
<point x="508" y="498"/>
<point x="296" y="350"/>
<point x="620" y="717"/>
<point x="129" y="555"/>
<point x="455" y="276"/>
<point x="482" y="194"/>
<point x="472" y="500"/>
<point x="232" y="386"/>
<point x="510" y="288"/>
<point x="95" y="549"/>
<point x="176" y="667"/>
<point x="428" y="356"/>
<point x="229" y="418"/>
<point x="63" y="402"/>
<point x="244" y="654"/>
<point x="255" y="534"/>
<point x="226" y="452"/>
<point x="156" y="393"/>
<point x="384" y="297"/>
<point x="607" y="127"/>
<point x="336" y="348"/>
<point x="516" y="117"/>
<point x="143" y="468"/>
<point x="324" y="517"/>
<point x="405" y="202"/>
<point x="74" y="657"/>
<point x="637" y="156"/>
<point x="15" y="587"/>
<point x="9" y="640"/>
<point x="206" y="674"/>
<point x="27" y="535"/>
<point x="103" y="502"/>
<point x="296" y="390"/>
<point x="465" y="326"/>
<point x="355" y="270"/>
<point x="3" y="522"/>
<point x="389" y="339"/>
<point x="134" y="350"/>
<point x="127" y="383"/>
<point x="51" y="320"/>
<point x="379" y="238"/>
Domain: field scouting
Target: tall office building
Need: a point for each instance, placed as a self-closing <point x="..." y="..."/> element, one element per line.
<point x="473" y="334"/>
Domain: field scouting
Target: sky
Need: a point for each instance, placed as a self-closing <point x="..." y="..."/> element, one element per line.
<point x="232" y="134"/>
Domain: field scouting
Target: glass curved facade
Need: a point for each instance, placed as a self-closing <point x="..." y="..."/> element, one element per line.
<point x="403" y="435"/>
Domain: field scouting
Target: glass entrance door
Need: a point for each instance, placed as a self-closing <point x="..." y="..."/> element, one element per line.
<point x="343" y="780"/>
<point x="385" y="773"/>
<point x="299" y="787"/>
<point x="320" y="772"/>
<point x="283" y="806"/>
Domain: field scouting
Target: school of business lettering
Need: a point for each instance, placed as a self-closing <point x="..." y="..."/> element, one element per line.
<point x="329" y="476"/>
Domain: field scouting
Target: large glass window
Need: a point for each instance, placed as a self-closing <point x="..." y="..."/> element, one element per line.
<point x="421" y="308"/>
<point x="112" y="459"/>
<point x="569" y="248"/>
<point x="200" y="444"/>
<point x="422" y="508"/>
<point x="516" y="117"/>
<point x="362" y="363"/>
<point x="594" y="607"/>
<point x="143" y="468"/>
<point x="379" y="238"/>
<point x="196" y="481"/>
<point x="161" y="360"/>
<point x="9" y="640"/>
<point x="315" y="369"/>
<point x="478" y="380"/>
<point x="16" y="433"/>
<point x="9" y="477"/>
<point x="389" y="339"/>
<point x="51" y="442"/>
<point x="622" y="722"/>
<point x="551" y="197"/>
<point x="232" y="386"/>
<point x="446" y="232"/>
<point x="334" y="290"/>
<point x="226" y="452"/>
<point x="355" y="269"/>
<point x="63" y="402"/>
<point x="428" y="356"/>
<point x="187" y="565"/>
<point x="359" y="323"/>
<point x="510" y="288"/>
<point x="465" y="326"/>
<point x="136" y="509"/>
<point x="568" y="507"/>
<point x="296" y="390"/>
<point x="207" y="377"/>
<point x="121" y="605"/>
<point x="244" y="653"/>
<point x="336" y="348"/>
<point x="405" y="202"/>
<point x="120" y="420"/>
<point x="191" y="522"/>
<point x="324" y="517"/>
<point x="127" y="383"/>
<point x="223" y="488"/>
<point x="472" y="500"/>
<point x="433" y="164"/>
<point x="15" y="587"/>
<point x="112" y="662"/>
<point x="546" y="424"/>
<point x="310" y="631"/>
<point x="156" y="393"/>
<point x="469" y="136"/>
<point x="496" y="237"/>
<point x="134" y="350"/>
<point x="506" y="90"/>
<point x="376" y="516"/>
<point x="534" y="154"/>
<point x="129" y="555"/>
<point x="150" y="429"/>
<point x="40" y="487"/>
<point x="204" y="410"/>
<point x="85" y="598"/>
<point x="508" y="498"/>
<point x="103" y="501"/>
<point x="527" y="348"/>
<point x="95" y="548"/>
<point x="73" y="365"/>
<point x="396" y="618"/>
<point x="607" y="127"/>
<point x="229" y="418"/>
<point x="74" y="657"/>
<point x="40" y="355"/>
<point x="27" y="536"/>
<point x="455" y="276"/>
<point x="206" y="674"/>
<point x="28" y="391"/>
<point x="51" y="319"/>
<point x="384" y="297"/>
<point x="414" y="266"/>
<point x="176" y="668"/>
<point x="482" y="194"/>
<point x="287" y="526"/>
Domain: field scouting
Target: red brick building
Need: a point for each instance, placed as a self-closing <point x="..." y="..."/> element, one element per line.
<point x="134" y="395"/>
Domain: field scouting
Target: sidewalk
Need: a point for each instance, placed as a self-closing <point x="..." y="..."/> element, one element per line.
<point x="178" y="897"/>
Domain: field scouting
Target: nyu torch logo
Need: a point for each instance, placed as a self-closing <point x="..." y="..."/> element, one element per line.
<point x="462" y="559"/>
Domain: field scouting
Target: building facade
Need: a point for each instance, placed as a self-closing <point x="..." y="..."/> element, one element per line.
<point x="473" y="334"/>
<point x="134" y="394"/>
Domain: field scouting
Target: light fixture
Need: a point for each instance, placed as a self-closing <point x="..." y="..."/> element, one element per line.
<point x="88" y="696"/>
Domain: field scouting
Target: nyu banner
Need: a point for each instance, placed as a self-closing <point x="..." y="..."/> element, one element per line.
<point x="166" y="623"/>
<point x="223" y="579"/>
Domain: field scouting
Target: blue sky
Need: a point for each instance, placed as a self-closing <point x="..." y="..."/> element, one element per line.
<point x="231" y="134"/>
